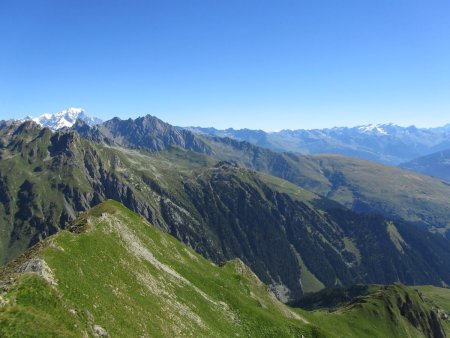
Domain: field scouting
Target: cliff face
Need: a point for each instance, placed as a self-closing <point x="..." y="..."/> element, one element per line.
<point x="47" y="179"/>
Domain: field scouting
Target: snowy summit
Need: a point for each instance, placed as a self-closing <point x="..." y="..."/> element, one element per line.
<point x="64" y="119"/>
<point x="372" y="129"/>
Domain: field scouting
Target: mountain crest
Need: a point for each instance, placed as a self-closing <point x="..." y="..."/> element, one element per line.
<point x="151" y="133"/>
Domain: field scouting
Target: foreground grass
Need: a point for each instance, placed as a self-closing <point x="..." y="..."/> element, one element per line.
<point x="126" y="276"/>
<point x="118" y="273"/>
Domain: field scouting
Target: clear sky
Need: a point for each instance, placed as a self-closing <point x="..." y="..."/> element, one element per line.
<point x="229" y="63"/>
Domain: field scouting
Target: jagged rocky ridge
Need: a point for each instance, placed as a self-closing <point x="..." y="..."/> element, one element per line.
<point x="144" y="132"/>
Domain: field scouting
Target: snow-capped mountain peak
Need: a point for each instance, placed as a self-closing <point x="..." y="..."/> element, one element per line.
<point x="64" y="119"/>
<point x="373" y="129"/>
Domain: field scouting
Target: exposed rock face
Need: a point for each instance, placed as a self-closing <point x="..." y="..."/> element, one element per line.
<point x="39" y="267"/>
<point x="427" y="322"/>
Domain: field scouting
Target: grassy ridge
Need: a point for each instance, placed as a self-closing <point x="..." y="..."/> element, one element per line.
<point x="126" y="276"/>
<point x="117" y="272"/>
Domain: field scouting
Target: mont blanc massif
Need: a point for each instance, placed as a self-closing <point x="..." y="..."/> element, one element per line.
<point x="137" y="228"/>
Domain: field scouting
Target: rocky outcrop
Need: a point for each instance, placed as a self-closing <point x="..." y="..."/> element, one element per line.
<point x="426" y="321"/>
<point x="39" y="267"/>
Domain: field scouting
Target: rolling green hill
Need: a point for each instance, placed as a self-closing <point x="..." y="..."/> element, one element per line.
<point x="114" y="274"/>
<point x="363" y="186"/>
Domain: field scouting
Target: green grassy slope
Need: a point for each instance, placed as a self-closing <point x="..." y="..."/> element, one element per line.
<point x="115" y="272"/>
<point x="124" y="275"/>
<point x="367" y="186"/>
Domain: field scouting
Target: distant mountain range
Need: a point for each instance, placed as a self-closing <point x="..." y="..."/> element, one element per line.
<point x="384" y="143"/>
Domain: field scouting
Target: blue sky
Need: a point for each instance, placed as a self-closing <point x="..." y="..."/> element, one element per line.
<point x="255" y="64"/>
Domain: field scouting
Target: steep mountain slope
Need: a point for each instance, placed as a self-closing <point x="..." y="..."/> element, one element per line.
<point x="249" y="220"/>
<point x="118" y="275"/>
<point x="221" y="210"/>
<point x="384" y="143"/>
<point x="436" y="165"/>
<point x="115" y="274"/>
<point x="42" y="182"/>
<point x="360" y="185"/>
